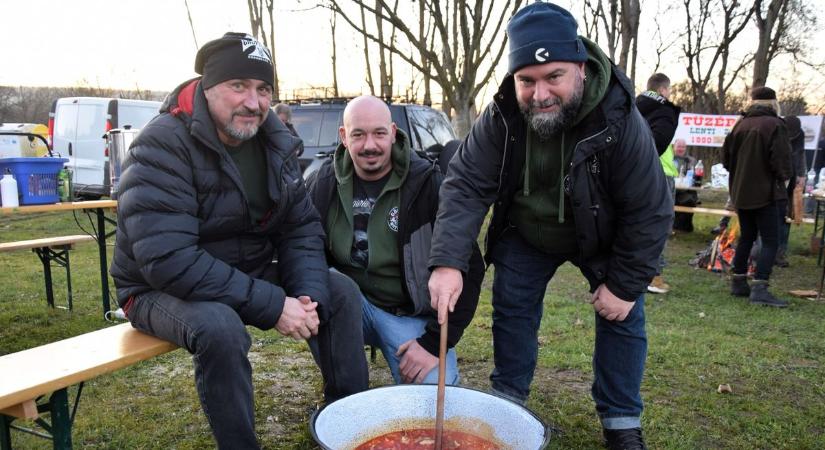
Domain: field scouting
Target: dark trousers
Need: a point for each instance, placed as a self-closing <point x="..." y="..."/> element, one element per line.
<point x="762" y="222"/>
<point x="218" y="341"/>
<point x="521" y="277"/>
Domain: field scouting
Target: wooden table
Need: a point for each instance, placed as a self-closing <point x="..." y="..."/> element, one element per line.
<point x="100" y="207"/>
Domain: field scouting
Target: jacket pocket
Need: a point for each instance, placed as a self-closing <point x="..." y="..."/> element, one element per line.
<point x="416" y="269"/>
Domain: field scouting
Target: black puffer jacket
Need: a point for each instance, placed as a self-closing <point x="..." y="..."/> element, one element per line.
<point x="621" y="202"/>
<point x="419" y="203"/>
<point x="184" y="225"/>
<point x="661" y="115"/>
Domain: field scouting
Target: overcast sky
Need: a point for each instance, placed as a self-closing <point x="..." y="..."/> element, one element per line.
<point x="149" y="44"/>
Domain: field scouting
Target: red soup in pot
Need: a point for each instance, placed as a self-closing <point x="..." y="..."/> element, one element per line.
<point x="424" y="439"/>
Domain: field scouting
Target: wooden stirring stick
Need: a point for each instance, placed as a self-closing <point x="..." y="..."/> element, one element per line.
<point x="442" y="375"/>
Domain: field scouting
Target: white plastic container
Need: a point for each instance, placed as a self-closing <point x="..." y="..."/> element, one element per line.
<point x="810" y="181"/>
<point x="8" y="191"/>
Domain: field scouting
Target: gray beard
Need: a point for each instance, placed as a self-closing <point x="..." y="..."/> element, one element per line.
<point x="548" y="124"/>
<point x="240" y="134"/>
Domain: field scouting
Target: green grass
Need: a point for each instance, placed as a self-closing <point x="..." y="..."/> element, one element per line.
<point x="699" y="337"/>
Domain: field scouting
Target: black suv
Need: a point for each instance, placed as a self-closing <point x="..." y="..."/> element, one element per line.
<point x="317" y="125"/>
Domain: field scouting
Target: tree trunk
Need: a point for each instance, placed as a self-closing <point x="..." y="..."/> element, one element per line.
<point x="276" y="88"/>
<point x="465" y="114"/>
<point x="383" y="79"/>
<point x="423" y="37"/>
<point x="370" y="83"/>
<point x="761" y="60"/>
<point x="334" y="57"/>
<point x="630" y="13"/>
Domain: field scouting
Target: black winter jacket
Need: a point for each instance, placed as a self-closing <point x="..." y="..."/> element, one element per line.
<point x="183" y="219"/>
<point x="797" y="136"/>
<point x="621" y="202"/>
<point x="419" y="203"/>
<point x="661" y="115"/>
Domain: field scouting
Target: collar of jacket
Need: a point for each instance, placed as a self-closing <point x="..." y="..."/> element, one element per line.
<point x="655" y="96"/>
<point x="188" y="103"/>
<point x="759" y="110"/>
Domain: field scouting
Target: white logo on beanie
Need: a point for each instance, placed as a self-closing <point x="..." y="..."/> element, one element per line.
<point x="542" y="54"/>
<point x="260" y="52"/>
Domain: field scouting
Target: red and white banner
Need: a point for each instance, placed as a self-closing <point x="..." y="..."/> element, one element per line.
<point x="709" y="130"/>
<point x="704" y="130"/>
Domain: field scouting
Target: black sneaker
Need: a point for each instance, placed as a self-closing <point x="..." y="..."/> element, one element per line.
<point x="625" y="439"/>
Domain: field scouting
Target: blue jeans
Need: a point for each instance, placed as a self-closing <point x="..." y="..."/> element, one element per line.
<point x="521" y="276"/>
<point x="388" y="331"/>
<point x="218" y="341"/>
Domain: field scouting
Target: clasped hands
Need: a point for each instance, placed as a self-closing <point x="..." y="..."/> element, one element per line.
<point x="299" y="318"/>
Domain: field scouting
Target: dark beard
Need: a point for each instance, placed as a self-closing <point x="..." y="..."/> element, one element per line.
<point x="546" y="125"/>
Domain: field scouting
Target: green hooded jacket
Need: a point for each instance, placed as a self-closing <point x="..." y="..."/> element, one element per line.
<point x="541" y="211"/>
<point x="381" y="282"/>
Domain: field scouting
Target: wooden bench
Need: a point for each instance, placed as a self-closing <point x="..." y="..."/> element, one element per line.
<point x="28" y="375"/>
<point x="51" y="249"/>
<point x="700" y="210"/>
<point x="719" y="212"/>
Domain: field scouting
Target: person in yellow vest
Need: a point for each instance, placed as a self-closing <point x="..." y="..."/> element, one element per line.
<point x="662" y="117"/>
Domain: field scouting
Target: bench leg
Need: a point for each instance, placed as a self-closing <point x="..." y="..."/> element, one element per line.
<point x="68" y="281"/>
<point x="45" y="258"/>
<point x="101" y="246"/>
<point x="61" y="420"/>
<point x="61" y="258"/>
<point x="5" y="432"/>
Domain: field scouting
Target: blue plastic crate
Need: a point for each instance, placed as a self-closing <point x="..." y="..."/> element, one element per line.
<point x="36" y="178"/>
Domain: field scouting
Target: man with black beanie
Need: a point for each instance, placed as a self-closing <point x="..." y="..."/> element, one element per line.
<point x="210" y="197"/>
<point x="571" y="170"/>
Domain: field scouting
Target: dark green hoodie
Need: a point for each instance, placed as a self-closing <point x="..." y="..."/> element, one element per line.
<point x="381" y="282"/>
<point x="541" y="212"/>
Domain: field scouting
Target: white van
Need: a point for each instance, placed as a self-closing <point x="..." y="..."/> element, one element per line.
<point x="77" y="126"/>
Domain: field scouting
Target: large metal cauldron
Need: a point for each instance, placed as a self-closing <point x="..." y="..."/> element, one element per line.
<point x="118" y="142"/>
<point x="353" y="420"/>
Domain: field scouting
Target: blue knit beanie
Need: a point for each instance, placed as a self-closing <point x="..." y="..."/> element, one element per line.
<point x="543" y="32"/>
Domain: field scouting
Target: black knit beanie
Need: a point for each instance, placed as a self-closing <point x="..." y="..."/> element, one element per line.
<point x="543" y="32"/>
<point x="235" y="55"/>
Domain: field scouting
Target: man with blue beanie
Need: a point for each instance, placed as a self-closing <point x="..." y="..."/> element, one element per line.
<point x="571" y="170"/>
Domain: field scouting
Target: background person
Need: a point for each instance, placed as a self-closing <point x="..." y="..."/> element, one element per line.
<point x="378" y="200"/>
<point x="756" y="154"/>
<point x="572" y="171"/>
<point x="284" y="113"/>
<point x="797" y="137"/>
<point x="662" y="117"/>
<point x="206" y="199"/>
